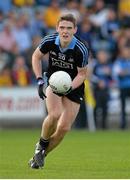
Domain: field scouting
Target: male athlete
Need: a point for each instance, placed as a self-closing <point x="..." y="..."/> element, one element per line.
<point x="66" y="53"/>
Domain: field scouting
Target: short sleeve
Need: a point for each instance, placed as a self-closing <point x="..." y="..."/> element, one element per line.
<point x="82" y="55"/>
<point x="44" y="46"/>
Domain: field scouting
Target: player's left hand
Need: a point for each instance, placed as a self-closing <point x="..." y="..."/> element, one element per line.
<point x="63" y="94"/>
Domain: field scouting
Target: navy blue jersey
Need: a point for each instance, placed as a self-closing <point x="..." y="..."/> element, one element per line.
<point x="67" y="59"/>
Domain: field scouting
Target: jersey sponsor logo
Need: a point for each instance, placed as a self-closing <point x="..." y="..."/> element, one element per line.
<point x="61" y="64"/>
<point x="53" y="53"/>
<point x="71" y="60"/>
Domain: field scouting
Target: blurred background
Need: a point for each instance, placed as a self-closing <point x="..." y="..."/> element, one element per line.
<point x="104" y="24"/>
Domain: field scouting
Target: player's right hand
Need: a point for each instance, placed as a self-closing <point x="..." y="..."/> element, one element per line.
<point x="40" y="82"/>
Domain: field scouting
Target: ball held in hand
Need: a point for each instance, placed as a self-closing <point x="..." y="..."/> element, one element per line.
<point x="60" y="82"/>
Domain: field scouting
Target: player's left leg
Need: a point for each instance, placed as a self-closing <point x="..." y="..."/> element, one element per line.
<point x="70" y="111"/>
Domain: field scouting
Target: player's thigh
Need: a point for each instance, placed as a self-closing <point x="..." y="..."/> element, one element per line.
<point x="70" y="111"/>
<point x="53" y="102"/>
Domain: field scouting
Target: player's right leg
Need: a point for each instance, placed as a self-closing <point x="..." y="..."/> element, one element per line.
<point x="54" y="108"/>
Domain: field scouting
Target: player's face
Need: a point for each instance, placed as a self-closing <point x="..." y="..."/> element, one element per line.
<point x="66" y="30"/>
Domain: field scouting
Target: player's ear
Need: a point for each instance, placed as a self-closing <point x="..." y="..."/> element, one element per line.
<point x="57" y="28"/>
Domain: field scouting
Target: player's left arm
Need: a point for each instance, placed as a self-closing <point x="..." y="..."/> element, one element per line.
<point x="82" y="62"/>
<point x="80" y="78"/>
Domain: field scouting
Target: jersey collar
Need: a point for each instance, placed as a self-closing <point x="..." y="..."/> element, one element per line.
<point x="70" y="46"/>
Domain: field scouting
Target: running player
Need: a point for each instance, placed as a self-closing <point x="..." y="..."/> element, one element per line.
<point x="70" y="54"/>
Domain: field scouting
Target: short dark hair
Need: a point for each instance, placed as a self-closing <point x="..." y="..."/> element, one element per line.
<point x="68" y="17"/>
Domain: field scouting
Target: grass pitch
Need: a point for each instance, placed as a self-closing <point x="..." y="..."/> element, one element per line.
<point x="103" y="154"/>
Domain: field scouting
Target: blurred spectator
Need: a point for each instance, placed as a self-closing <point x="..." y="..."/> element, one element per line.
<point x="121" y="72"/>
<point x="5" y="77"/>
<point x="4" y="59"/>
<point x="112" y="3"/>
<point x="12" y="16"/>
<point x="99" y="43"/>
<point x="21" y="3"/>
<point x="5" y="6"/>
<point x="43" y="2"/>
<point x="22" y="36"/>
<point x="12" y="55"/>
<point x="109" y="30"/>
<point x="100" y="13"/>
<point x="88" y="3"/>
<point x="1" y="20"/>
<point x="21" y="73"/>
<point x="104" y="31"/>
<point x="124" y="8"/>
<point x="124" y="12"/>
<point x="37" y="25"/>
<point x="83" y="11"/>
<point x="85" y="30"/>
<point x="51" y="14"/>
<point x="101" y="79"/>
<point x="28" y="9"/>
<point x="111" y="24"/>
<point x="7" y="39"/>
<point x="124" y="38"/>
<point x="73" y="6"/>
<point x="127" y="35"/>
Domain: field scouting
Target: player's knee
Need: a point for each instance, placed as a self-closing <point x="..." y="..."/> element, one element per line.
<point x="54" y="116"/>
<point x="63" y="129"/>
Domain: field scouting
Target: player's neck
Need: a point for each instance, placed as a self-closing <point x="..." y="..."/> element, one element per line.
<point x="64" y="44"/>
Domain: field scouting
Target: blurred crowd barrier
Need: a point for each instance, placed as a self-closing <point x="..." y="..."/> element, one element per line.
<point x="20" y="106"/>
<point x="23" y="107"/>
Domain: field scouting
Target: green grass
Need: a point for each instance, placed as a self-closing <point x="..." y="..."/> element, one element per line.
<point x="103" y="154"/>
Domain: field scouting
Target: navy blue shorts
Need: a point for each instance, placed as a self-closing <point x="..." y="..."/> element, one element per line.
<point x="77" y="95"/>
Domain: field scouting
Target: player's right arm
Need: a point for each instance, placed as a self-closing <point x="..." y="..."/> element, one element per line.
<point x="36" y="62"/>
<point x="43" y="48"/>
<point x="37" y="68"/>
